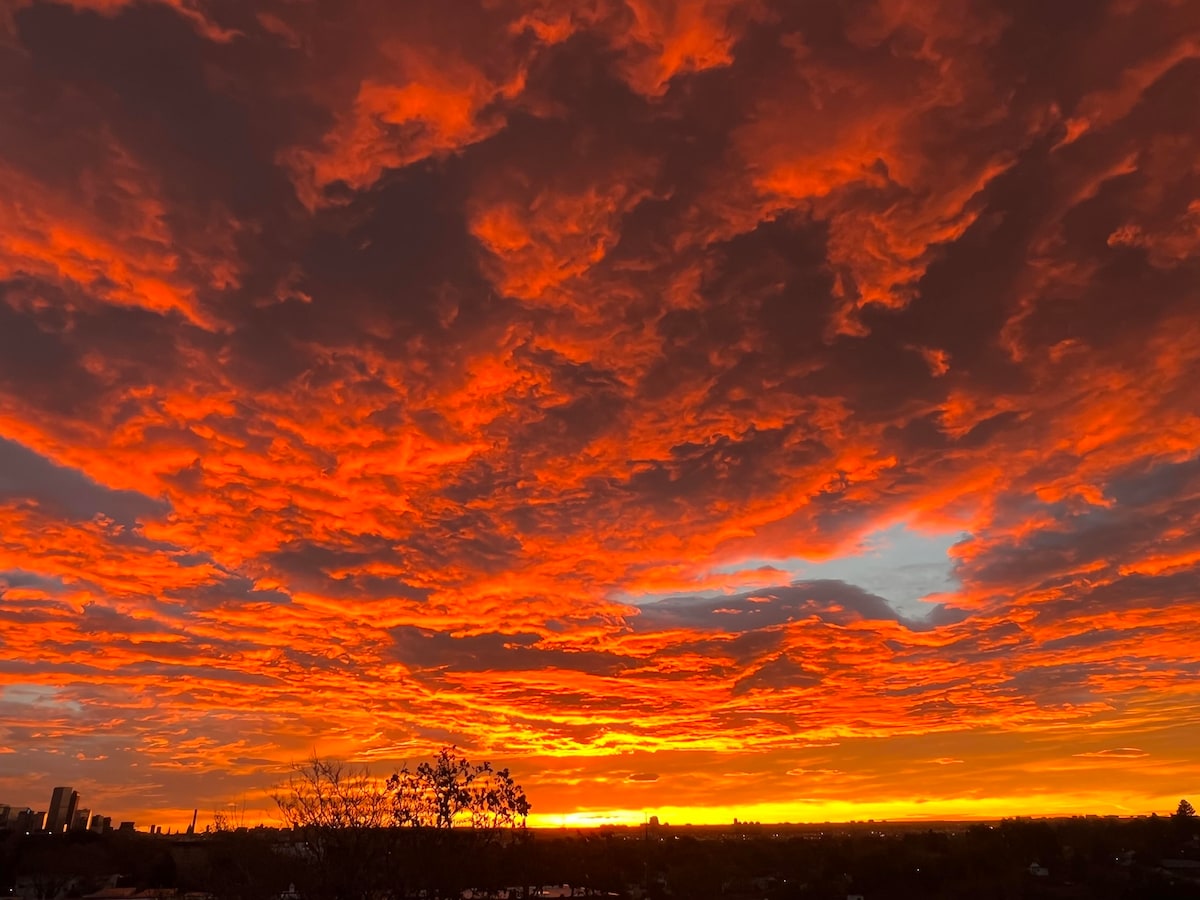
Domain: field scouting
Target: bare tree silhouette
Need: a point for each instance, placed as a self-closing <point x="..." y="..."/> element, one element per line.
<point x="338" y="812"/>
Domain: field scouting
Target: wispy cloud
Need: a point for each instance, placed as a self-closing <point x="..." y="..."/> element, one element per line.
<point x="1115" y="753"/>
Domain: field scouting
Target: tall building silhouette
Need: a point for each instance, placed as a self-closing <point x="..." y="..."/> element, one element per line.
<point x="72" y="806"/>
<point x="61" y="814"/>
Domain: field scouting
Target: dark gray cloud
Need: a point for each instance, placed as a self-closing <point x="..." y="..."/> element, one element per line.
<point x="828" y="600"/>
<point x="781" y="673"/>
<point x="25" y="475"/>
<point x="429" y="650"/>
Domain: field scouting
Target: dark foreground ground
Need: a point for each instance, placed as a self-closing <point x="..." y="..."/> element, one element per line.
<point x="1021" y="858"/>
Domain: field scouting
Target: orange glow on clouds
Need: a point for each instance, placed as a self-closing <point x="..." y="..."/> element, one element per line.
<point x="707" y="409"/>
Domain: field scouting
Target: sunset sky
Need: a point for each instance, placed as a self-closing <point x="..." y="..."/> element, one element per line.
<point x="706" y="408"/>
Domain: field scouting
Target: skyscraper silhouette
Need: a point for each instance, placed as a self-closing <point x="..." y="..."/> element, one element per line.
<point x="61" y="814"/>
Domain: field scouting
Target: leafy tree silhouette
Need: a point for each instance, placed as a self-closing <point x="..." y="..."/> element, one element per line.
<point x="453" y="814"/>
<point x="451" y="792"/>
<point x="1185" y="820"/>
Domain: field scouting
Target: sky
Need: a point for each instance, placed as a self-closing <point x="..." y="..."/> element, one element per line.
<point x="705" y="408"/>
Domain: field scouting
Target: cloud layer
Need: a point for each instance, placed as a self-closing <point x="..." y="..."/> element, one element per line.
<point x="378" y="375"/>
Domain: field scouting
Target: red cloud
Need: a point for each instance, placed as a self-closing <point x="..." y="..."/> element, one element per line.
<point x="596" y="323"/>
<point x="437" y="106"/>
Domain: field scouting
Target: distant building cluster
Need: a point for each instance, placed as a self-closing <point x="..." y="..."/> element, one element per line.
<point x="65" y="814"/>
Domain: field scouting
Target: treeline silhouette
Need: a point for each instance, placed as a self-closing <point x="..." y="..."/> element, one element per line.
<point x="450" y="828"/>
<point x="1083" y="858"/>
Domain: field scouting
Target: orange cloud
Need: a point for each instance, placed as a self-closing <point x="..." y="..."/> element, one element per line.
<point x="440" y="106"/>
<point x="127" y="262"/>
<point x="599" y="336"/>
<point x="665" y="39"/>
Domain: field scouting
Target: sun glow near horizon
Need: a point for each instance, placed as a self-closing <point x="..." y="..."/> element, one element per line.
<point x="844" y="812"/>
